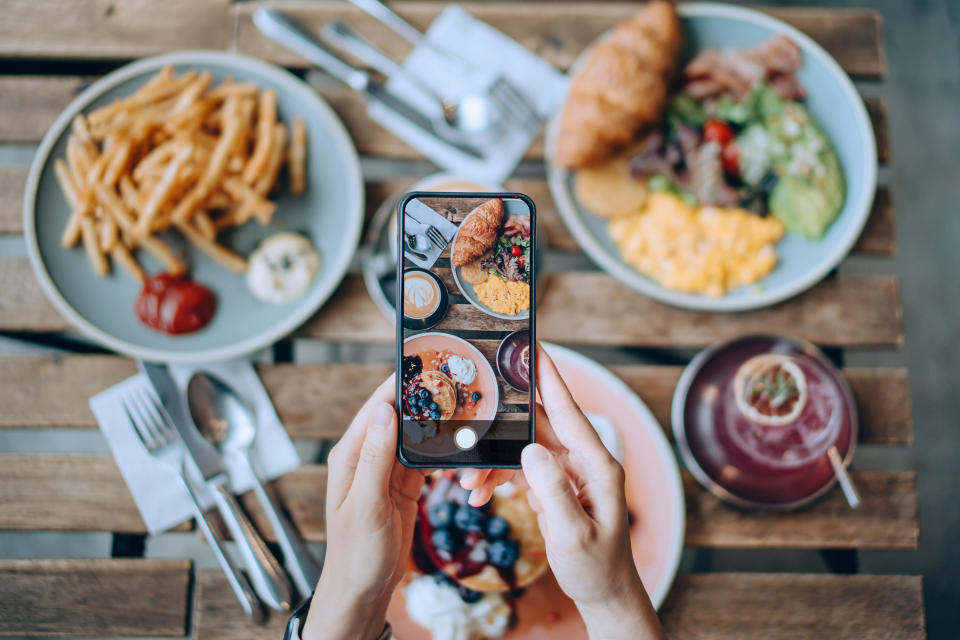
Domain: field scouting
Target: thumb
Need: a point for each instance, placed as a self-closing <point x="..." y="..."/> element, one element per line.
<point x="551" y="487"/>
<point x="377" y="454"/>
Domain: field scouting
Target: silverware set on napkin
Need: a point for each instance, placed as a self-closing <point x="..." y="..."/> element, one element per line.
<point x="209" y="425"/>
<point x="462" y="122"/>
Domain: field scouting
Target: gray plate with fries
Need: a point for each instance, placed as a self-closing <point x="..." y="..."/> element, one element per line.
<point x="329" y="211"/>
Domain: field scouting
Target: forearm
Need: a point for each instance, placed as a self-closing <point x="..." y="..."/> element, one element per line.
<point x="334" y="615"/>
<point x="630" y="617"/>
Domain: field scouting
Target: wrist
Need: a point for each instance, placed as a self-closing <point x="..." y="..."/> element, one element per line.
<point x="336" y="614"/>
<point x="628" y="615"/>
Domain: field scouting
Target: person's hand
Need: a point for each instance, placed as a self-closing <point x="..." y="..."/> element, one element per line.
<point x="577" y="490"/>
<point x="371" y="510"/>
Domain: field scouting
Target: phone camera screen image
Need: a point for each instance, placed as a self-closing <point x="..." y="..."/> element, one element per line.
<point x="465" y="328"/>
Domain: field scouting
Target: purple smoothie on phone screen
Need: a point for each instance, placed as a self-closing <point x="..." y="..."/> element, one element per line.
<point x="513" y="360"/>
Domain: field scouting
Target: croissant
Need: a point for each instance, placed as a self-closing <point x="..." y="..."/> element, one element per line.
<point x="621" y="87"/>
<point x="478" y="233"/>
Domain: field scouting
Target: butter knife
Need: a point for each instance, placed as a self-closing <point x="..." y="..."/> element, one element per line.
<point x="268" y="578"/>
<point x="287" y="32"/>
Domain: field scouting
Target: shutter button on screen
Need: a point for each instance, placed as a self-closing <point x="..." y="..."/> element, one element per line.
<point x="466" y="438"/>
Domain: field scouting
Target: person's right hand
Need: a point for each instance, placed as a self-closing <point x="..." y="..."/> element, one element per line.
<point x="577" y="490"/>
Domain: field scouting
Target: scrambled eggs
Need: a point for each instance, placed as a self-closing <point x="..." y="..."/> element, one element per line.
<point x="707" y="250"/>
<point x="504" y="296"/>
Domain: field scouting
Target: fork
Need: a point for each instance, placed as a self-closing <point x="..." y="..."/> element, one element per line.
<point x="434" y="235"/>
<point x="162" y="442"/>
<point x="501" y="89"/>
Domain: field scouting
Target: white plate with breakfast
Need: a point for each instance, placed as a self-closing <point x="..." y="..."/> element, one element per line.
<point x="491" y="258"/>
<point x="711" y="157"/>
<point x="193" y="206"/>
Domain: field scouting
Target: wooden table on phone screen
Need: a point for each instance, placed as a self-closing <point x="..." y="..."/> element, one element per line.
<point x="52" y="49"/>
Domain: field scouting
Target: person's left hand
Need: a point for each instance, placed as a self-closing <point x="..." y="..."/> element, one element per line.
<point x="371" y="510"/>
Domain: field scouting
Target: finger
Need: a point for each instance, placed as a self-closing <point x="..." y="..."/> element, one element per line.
<point x="550" y="485"/>
<point x="483" y="492"/>
<point x="534" y="502"/>
<point x="377" y="457"/>
<point x="545" y="433"/>
<point x="595" y="481"/>
<point x="342" y="459"/>
<point x="567" y="421"/>
<point x="406" y="482"/>
<point x="473" y="478"/>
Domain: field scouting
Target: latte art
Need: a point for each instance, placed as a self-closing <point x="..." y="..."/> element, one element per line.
<point x="420" y="295"/>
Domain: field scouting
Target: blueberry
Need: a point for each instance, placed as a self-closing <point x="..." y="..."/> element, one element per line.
<point x="445" y="368"/>
<point x="470" y="519"/>
<point x="468" y="595"/>
<point x="424" y="394"/>
<point x="497" y="527"/>
<point x="444" y="540"/>
<point x="435" y="415"/>
<point x="503" y="553"/>
<point x="432" y="406"/>
<point x="414" y="402"/>
<point x="441" y="515"/>
<point x="475" y="395"/>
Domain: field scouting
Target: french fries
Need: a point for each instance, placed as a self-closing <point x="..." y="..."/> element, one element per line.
<point x="298" y="156"/>
<point x="179" y="153"/>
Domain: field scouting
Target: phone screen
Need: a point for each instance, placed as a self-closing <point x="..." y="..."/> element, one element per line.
<point x="465" y="328"/>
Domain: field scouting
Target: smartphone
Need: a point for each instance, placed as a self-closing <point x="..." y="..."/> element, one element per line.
<point x="466" y="308"/>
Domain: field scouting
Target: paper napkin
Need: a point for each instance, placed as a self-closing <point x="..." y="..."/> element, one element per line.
<point x="480" y="55"/>
<point x="158" y="494"/>
<point x="418" y="217"/>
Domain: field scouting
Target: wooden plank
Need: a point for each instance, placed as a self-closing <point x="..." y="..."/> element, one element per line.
<point x="41" y="392"/>
<point x="372" y="139"/>
<point x="887" y="517"/>
<point x="217" y="614"/>
<point x="589" y="307"/>
<point x="94" y="597"/>
<point x="82" y="492"/>
<point x="13" y="179"/>
<point x="700" y="606"/>
<point x="853" y="37"/>
<point x="30" y="104"/>
<point x="744" y="606"/>
<point x="110" y="29"/>
<point x="23" y="306"/>
<point x="877" y="110"/>
<point x="877" y="236"/>
<point x="66" y="492"/>
<point x="830" y="523"/>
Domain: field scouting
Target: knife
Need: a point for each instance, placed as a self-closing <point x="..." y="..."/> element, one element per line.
<point x="287" y="32"/>
<point x="269" y="580"/>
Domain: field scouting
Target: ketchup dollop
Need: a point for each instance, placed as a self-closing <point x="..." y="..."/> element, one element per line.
<point x="174" y="304"/>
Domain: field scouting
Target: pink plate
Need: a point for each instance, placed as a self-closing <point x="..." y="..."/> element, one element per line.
<point x="654" y="496"/>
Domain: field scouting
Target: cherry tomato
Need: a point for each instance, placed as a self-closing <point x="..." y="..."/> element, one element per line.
<point x="730" y="158"/>
<point x="515" y="250"/>
<point x="717" y="131"/>
<point x="520" y="261"/>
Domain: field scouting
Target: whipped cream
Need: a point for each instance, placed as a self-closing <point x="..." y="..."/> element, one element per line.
<point x="436" y="605"/>
<point x="463" y="370"/>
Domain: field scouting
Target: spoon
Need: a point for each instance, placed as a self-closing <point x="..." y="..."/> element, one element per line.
<point x="411" y="246"/>
<point x="843" y="478"/>
<point x="230" y="425"/>
<point x="471" y="113"/>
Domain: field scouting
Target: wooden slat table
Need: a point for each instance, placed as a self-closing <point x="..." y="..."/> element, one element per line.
<point x="51" y="49"/>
